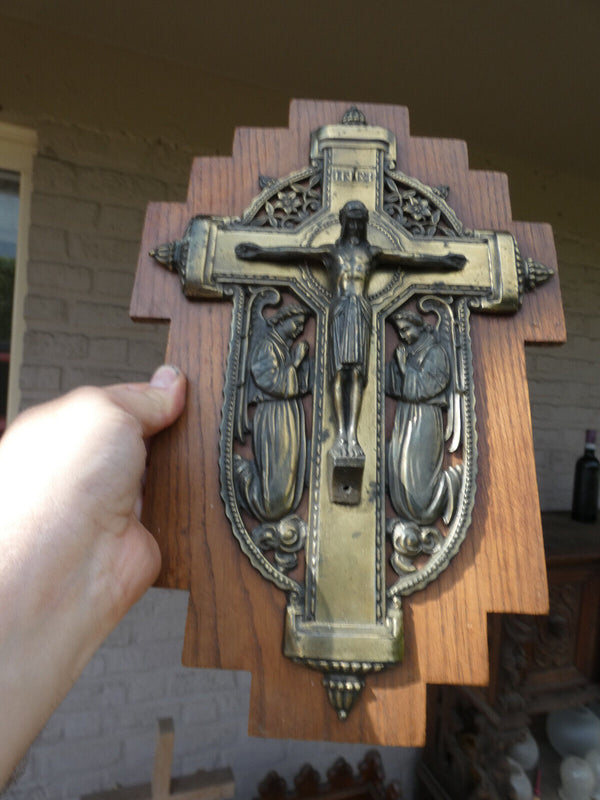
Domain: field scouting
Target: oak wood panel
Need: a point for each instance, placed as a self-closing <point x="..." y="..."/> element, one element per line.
<point x="235" y="618"/>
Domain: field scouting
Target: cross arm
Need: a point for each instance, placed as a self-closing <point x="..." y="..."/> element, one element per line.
<point x="485" y="264"/>
<point x="213" y="251"/>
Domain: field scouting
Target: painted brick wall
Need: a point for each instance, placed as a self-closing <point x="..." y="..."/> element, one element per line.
<point x="88" y="206"/>
<point x="90" y="195"/>
<point x="564" y="382"/>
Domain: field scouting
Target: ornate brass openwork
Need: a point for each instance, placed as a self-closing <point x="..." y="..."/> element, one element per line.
<point x="348" y="442"/>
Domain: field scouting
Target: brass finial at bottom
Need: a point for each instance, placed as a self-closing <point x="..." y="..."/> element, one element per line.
<point x="342" y="691"/>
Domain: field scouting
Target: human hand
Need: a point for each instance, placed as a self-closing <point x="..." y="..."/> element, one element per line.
<point x="401" y="357"/>
<point x="74" y="556"/>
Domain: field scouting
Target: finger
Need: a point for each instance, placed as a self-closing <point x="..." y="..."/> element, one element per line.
<point x="156" y="404"/>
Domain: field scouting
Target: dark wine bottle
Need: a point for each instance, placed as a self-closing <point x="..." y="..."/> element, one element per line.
<point x="585" y="487"/>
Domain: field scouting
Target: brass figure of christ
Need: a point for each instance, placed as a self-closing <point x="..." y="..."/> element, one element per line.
<point x="349" y="262"/>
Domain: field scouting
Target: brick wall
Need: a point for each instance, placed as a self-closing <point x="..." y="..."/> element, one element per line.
<point x="564" y="382"/>
<point x="88" y="205"/>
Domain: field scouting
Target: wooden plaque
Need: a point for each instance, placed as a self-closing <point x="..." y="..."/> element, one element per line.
<point x="235" y="617"/>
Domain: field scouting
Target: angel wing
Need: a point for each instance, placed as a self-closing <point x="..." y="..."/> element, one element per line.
<point x="445" y="335"/>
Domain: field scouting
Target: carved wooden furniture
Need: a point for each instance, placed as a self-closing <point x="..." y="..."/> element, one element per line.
<point x="341" y="783"/>
<point x="538" y="664"/>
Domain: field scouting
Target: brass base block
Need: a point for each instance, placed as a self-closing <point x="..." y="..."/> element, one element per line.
<point x="345" y="478"/>
<point x="381" y="643"/>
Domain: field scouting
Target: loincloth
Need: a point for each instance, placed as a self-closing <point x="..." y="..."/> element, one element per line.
<point x="350" y="332"/>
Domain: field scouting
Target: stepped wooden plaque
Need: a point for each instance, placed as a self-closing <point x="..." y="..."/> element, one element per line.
<point x="356" y="453"/>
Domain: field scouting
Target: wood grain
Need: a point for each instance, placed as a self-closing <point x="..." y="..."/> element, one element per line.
<point x="235" y="618"/>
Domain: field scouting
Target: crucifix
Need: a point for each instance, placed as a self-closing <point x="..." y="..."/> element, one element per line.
<point x="348" y="444"/>
<point x="349" y="261"/>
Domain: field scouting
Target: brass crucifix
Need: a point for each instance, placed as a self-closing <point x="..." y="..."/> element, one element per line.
<point x="349" y="262"/>
<point x="352" y="286"/>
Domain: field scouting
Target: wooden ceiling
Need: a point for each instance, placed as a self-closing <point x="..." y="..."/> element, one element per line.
<point x="517" y="76"/>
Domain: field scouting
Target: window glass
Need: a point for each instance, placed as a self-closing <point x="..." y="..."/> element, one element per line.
<point x="9" y="219"/>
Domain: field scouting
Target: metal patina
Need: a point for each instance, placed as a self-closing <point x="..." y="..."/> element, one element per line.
<point x="352" y="285"/>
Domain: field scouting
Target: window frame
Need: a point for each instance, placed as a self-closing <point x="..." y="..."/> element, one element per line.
<point x="18" y="147"/>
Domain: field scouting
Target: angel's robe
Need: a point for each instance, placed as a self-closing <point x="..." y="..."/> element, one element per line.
<point x="416" y="450"/>
<point x="276" y="478"/>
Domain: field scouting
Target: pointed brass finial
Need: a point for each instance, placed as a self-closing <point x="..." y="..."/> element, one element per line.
<point x="342" y="691"/>
<point x="536" y="274"/>
<point x="354" y="116"/>
<point x="165" y="255"/>
<point x="171" y="255"/>
<point x="531" y="274"/>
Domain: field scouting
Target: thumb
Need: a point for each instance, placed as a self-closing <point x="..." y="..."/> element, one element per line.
<point x="156" y="404"/>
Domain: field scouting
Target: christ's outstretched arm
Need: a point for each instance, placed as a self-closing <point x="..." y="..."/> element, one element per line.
<point x="248" y="251"/>
<point x="421" y="261"/>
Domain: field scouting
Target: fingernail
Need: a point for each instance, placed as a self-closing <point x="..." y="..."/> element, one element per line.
<point x="164" y="377"/>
